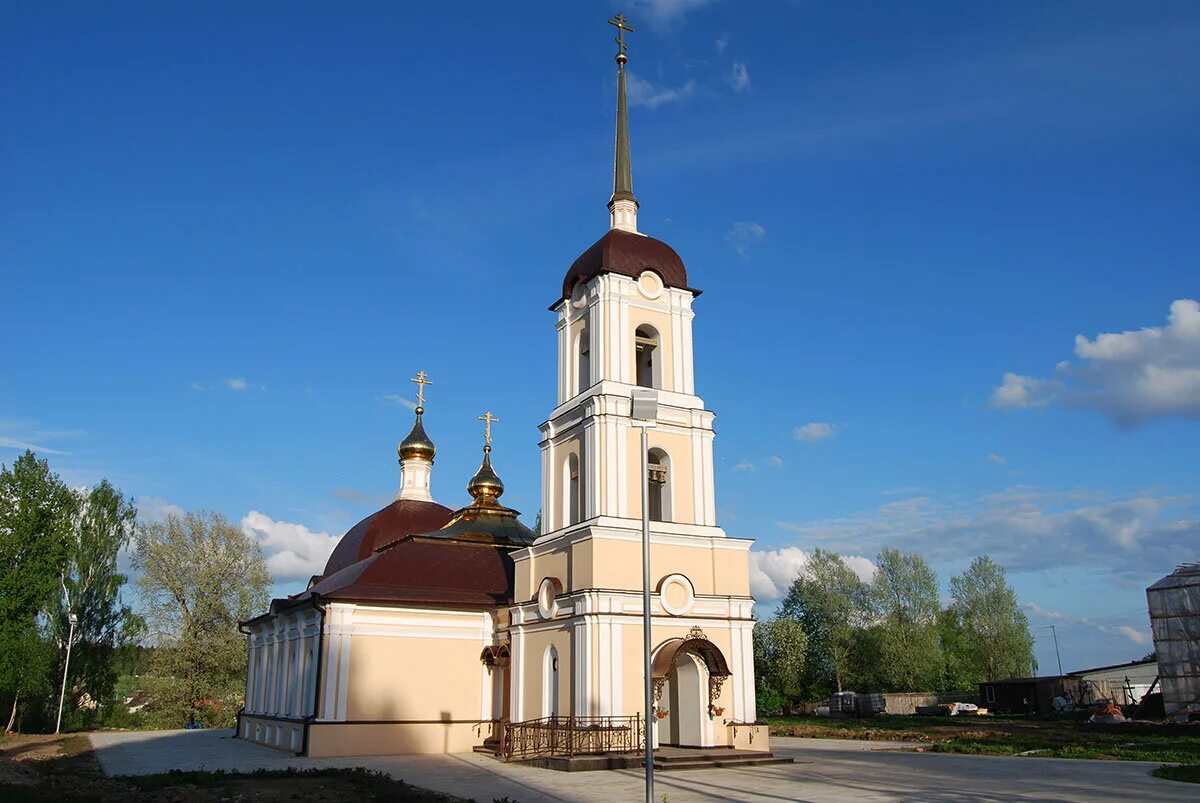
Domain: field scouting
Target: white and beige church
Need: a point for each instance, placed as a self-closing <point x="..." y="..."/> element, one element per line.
<point x="438" y="630"/>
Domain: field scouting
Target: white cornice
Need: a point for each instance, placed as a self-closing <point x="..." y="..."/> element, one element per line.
<point x="610" y="528"/>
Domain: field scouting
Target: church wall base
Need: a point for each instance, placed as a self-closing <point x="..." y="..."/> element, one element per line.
<point x="393" y="738"/>
<point x="279" y="733"/>
<point x="332" y="739"/>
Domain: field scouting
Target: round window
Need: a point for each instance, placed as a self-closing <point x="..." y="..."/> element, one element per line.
<point x="649" y="284"/>
<point x="676" y="594"/>
<point x="547" y="598"/>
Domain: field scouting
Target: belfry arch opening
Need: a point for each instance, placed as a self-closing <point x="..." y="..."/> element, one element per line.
<point x="550" y="682"/>
<point x="647" y="357"/>
<point x="572" y="491"/>
<point x="583" y="362"/>
<point x="659" y="484"/>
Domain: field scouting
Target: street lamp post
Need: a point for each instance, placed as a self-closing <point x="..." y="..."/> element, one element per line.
<point x="643" y="414"/>
<point x="72" y="619"/>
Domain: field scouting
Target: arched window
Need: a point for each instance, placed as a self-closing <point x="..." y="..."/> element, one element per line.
<point x="660" y="485"/>
<point x="550" y="682"/>
<point x="573" y="487"/>
<point x="647" y="357"/>
<point x="583" y="362"/>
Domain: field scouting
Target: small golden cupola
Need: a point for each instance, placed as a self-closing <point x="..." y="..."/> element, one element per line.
<point x="417" y="452"/>
<point x="486" y="486"/>
<point x="485" y="519"/>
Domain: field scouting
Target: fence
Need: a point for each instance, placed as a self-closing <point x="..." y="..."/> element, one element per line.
<point x="572" y="736"/>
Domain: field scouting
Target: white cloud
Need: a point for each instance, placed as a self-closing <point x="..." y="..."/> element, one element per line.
<point x="1134" y="635"/>
<point x="156" y="509"/>
<point x="722" y="43"/>
<point x="1131" y="376"/>
<point x="776" y="461"/>
<point x="815" y="431"/>
<point x="1018" y="391"/>
<point x="663" y="13"/>
<point x="293" y="551"/>
<point x="1024" y="529"/>
<point x="745" y="465"/>
<point x="403" y="401"/>
<point x="997" y="458"/>
<point x="739" y="79"/>
<point x="772" y="571"/>
<point x="644" y="93"/>
<point x="24" y="434"/>
<point x="744" y="234"/>
<point x="234" y="384"/>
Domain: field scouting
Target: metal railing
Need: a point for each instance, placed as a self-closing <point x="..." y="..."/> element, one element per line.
<point x="571" y="736"/>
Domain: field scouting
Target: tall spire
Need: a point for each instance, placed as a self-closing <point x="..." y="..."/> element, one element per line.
<point x="623" y="206"/>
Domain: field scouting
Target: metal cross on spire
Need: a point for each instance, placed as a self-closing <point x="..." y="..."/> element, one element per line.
<point x="422" y="379"/>
<point x="488" y="419"/>
<point x="622" y="27"/>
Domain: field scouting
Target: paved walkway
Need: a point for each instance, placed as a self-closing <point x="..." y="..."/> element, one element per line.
<point x="825" y="770"/>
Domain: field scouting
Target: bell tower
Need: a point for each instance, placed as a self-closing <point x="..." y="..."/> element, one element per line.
<point x="623" y="319"/>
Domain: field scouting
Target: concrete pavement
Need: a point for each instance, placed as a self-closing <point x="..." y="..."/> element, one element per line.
<point x="825" y="770"/>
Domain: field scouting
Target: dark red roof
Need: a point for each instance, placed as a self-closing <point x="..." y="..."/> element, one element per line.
<point x="400" y="518"/>
<point x="424" y="571"/>
<point x="627" y="254"/>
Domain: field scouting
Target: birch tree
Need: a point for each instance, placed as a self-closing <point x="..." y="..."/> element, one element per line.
<point x="35" y="524"/>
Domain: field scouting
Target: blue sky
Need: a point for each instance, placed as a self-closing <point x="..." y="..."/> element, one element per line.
<point x="231" y="234"/>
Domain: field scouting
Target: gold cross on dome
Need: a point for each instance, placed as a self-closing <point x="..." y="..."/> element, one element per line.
<point x="619" y="21"/>
<point x="422" y="380"/>
<point x="488" y="419"/>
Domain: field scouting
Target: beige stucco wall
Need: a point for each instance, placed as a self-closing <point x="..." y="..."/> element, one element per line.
<point x="414" y="678"/>
<point x="535" y="647"/>
<point x="617" y="564"/>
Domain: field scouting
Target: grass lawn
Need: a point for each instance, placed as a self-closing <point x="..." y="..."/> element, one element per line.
<point x="1049" y="738"/>
<point x="63" y="769"/>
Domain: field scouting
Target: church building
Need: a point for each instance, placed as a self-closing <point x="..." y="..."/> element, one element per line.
<point x="435" y="630"/>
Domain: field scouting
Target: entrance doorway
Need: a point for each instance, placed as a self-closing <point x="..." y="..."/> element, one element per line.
<point x="688" y="675"/>
<point x="685" y="699"/>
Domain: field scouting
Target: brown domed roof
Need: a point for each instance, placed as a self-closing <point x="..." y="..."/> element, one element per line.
<point x="627" y="254"/>
<point x="423" y="571"/>
<point x="400" y="518"/>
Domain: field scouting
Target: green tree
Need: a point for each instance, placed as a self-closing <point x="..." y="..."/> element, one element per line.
<point x="904" y="594"/>
<point x="832" y="606"/>
<point x="200" y="576"/>
<point x="957" y="671"/>
<point x="91" y="589"/>
<point x="780" y="649"/>
<point x="996" y="642"/>
<point x="35" y="525"/>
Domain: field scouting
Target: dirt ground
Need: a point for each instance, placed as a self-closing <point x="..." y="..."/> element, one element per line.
<point x="63" y="769"/>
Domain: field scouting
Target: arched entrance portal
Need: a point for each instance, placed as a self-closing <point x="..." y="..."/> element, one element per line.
<point x="688" y="674"/>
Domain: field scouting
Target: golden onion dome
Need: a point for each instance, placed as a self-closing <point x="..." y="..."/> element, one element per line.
<point x="485" y="487"/>
<point x="417" y="444"/>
